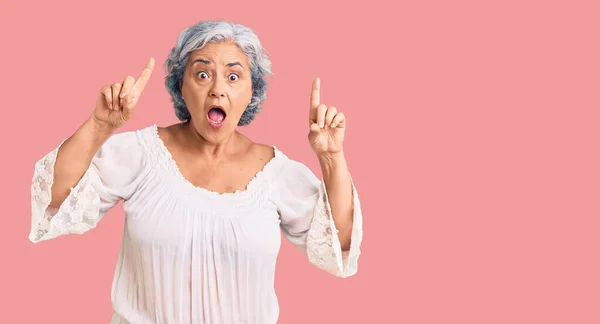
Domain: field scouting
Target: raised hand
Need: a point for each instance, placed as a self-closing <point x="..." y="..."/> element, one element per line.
<point x="116" y="102"/>
<point x="327" y="125"/>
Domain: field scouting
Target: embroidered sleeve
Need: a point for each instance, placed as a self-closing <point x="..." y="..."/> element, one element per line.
<point x="307" y="223"/>
<point x="110" y="177"/>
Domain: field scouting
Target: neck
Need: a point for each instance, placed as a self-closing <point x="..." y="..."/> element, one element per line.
<point x="202" y="146"/>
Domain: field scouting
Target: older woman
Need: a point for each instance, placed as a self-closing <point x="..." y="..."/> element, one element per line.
<point x="204" y="203"/>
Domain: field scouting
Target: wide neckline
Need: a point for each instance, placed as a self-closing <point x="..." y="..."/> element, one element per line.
<point x="260" y="175"/>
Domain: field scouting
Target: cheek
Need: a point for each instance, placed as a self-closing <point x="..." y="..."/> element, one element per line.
<point x="193" y="93"/>
<point x="242" y="95"/>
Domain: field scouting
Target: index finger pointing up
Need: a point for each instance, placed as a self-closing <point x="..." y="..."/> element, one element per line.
<point x="145" y="76"/>
<point x="315" y="94"/>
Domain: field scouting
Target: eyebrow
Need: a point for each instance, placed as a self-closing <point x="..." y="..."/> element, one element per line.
<point x="207" y="62"/>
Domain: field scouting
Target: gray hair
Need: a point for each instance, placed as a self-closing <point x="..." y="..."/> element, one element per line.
<point x="198" y="35"/>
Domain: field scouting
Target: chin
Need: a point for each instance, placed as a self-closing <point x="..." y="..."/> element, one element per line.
<point x="212" y="133"/>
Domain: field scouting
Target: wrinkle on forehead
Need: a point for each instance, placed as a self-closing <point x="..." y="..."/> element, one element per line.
<point x="224" y="54"/>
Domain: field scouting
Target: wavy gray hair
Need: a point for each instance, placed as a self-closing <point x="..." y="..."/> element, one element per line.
<point x="198" y="35"/>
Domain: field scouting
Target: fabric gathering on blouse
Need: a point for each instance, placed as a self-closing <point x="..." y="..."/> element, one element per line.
<point x="191" y="255"/>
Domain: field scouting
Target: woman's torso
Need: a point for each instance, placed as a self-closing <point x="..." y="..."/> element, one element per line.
<point x="192" y="255"/>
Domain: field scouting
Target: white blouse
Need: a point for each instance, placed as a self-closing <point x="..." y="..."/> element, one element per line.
<point x="190" y="255"/>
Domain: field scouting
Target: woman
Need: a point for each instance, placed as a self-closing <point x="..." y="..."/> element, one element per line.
<point x="204" y="203"/>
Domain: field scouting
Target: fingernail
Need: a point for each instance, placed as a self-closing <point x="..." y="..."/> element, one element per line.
<point x="122" y="95"/>
<point x="322" y="125"/>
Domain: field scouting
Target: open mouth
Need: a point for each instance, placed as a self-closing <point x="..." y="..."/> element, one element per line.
<point x="216" y="116"/>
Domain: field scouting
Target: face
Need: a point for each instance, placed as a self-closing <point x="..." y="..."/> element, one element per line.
<point x="217" y="87"/>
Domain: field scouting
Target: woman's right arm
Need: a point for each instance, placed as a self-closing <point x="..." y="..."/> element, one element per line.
<point x="77" y="182"/>
<point x="75" y="156"/>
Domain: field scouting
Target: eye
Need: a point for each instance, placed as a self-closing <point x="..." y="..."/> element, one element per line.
<point x="203" y="75"/>
<point x="233" y="77"/>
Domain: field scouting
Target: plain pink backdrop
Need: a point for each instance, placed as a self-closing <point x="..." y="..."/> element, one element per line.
<point x="473" y="139"/>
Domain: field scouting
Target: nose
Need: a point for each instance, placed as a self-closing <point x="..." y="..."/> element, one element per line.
<point x="217" y="89"/>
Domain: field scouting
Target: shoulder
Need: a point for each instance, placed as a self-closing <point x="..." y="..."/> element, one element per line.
<point x="290" y="171"/>
<point x="133" y="136"/>
<point x="292" y="179"/>
<point x="132" y="143"/>
<point x="262" y="152"/>
<point x="166" y="134"/>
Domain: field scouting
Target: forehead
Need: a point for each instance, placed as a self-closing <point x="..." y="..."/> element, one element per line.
<point x="220" y="54"/>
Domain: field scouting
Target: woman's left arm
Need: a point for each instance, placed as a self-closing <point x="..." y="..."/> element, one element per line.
<point x="336" y="177"/>
<point x="322" y="218"/>
<point x="326" y="137"/>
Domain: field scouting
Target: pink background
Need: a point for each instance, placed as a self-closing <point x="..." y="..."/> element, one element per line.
<point x="480" y="206"/>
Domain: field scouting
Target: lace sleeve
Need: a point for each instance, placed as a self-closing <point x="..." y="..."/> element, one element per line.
<point x="323" y="244"/>
<point x="306" y="221"/>
<point x="110" y="177"/>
